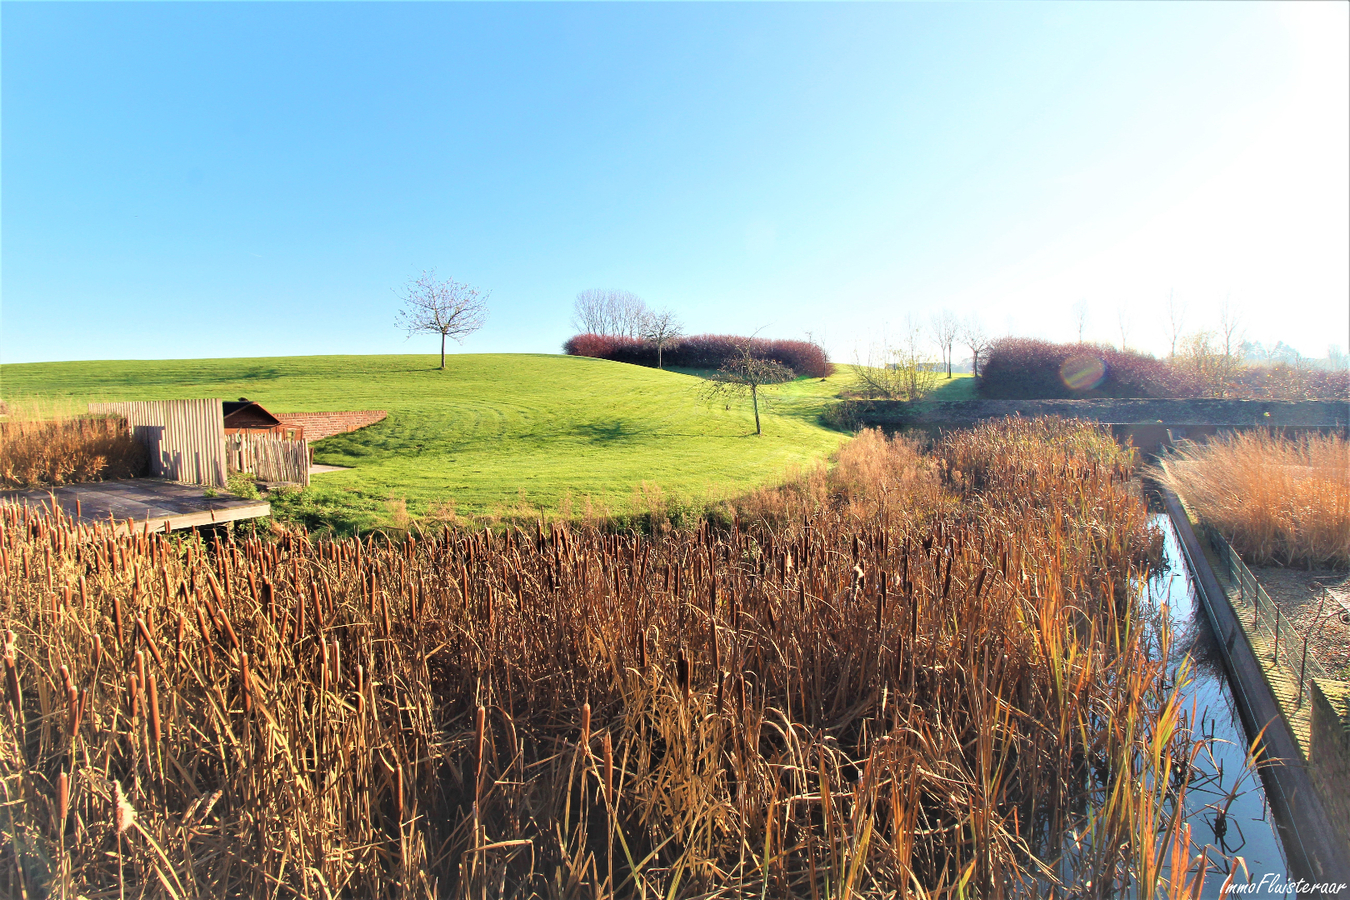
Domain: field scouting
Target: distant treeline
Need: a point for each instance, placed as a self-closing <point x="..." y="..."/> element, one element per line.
<point x="702" y="351"/>
<point x="1025" y="368"/>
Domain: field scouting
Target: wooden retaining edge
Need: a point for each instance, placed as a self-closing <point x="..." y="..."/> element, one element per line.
<point x="1311" y="846"/>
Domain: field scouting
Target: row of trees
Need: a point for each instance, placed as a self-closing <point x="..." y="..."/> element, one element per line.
<point x="615" y="313"/>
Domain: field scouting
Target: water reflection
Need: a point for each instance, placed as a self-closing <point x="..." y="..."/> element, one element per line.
<point x="1226" y="802"/>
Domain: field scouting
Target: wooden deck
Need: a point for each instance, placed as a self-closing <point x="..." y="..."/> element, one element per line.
<point x="142" y="504"/>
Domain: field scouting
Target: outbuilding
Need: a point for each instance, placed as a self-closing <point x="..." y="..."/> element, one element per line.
<point x="244" y="416"/>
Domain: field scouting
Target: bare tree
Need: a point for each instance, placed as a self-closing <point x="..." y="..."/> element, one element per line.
<point x="976" y="339"/>
<point x="747" y="373"/>
<point x="663" y="330"/>
<point x="1230" y="324"/>
<point x="1123" y="320"/>
<point x="609" y="312"/>
<point x="1176" y="321"/>
<point x="1080" y="311"/>
<point x="946" y="327"/>
<point x="447" y="308"/>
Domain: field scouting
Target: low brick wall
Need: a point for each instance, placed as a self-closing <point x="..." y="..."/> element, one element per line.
<point x="319" y="425"/>
<point x="1329" y="751"/>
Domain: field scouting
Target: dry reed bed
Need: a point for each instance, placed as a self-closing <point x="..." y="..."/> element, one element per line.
<point x="890" y="704"/>
<point x="1279" y="501"/>
<point x="37" y="452"/>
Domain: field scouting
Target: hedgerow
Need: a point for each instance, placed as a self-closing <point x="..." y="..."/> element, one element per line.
<point x="703" y="351"/>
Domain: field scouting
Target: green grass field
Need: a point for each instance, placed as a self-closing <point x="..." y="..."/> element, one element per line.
<point x="494" y="434"/>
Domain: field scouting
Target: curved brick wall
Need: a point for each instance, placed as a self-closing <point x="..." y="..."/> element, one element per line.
<point x="319" y="425"/>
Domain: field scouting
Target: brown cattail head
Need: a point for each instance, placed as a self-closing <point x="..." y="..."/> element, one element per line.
<point x="97" y="652"/>
<point x="62" y="800"/>
<point x="244" y="682"/>
<point x="479" y="727"/>
<point x="73" y="701"/>
<point x="117" y="619"/>
<point x="178" y="642"/>
<point x="133" y="695"/>
<point x="153" y="703"/>
<point x="586" y="724"/>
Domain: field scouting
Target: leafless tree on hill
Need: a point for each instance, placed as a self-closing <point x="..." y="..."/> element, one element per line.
<point x="447" y="308"/>
<point x="976" y="339"/>
<point x="1176" y="320"/>
<point x="946" y="327"/>
<point x="610" y="312"/>
<point x="663" y="330"/>
<point x="1080" y="311"/>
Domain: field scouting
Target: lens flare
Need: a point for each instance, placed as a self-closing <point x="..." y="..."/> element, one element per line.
<point x="1083" y="372"/>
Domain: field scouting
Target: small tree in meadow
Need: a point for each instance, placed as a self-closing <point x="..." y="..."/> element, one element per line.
<point x="748" y="373"/>
<point x="447" y="308"/>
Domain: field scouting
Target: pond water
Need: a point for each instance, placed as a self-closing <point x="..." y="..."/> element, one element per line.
<point x="1226" y="802"/>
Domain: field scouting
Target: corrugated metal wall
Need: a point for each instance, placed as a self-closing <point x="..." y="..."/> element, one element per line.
<point x="186" y="438"/>
<point x="269" y="457"/>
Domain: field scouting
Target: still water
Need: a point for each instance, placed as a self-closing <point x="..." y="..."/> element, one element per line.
<point x="1226" y="803"/>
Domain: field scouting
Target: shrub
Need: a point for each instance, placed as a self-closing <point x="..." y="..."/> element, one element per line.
<point x="1025" y="369"/>
<point x="703" y="351"/>
<point x="68" y="451"/>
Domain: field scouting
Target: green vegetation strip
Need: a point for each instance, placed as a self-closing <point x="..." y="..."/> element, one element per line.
<point x="492" y="435"/>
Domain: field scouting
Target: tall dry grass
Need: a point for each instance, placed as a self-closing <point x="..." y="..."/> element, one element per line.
<point x="1278" y="500"/>
<point x="54" y="451"/>
<point x="892" y="703"/>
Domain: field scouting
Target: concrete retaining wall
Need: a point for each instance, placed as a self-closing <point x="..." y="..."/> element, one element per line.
<point x="1329" y="750"/>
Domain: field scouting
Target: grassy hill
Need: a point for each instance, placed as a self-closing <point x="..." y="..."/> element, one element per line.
<point x="493" y="434"/>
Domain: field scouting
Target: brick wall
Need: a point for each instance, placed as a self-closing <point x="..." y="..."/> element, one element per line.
<point x="1329" y="751"/>
<point x="319" y="425"/>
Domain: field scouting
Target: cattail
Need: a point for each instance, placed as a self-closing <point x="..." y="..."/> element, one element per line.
<point x="206" y="634"/>
<point x="96" y="653"/>
<point x="153" y="703"/>
<point x="586" y="725"/>
<point x="144" y="631"/>
<point x="66" y="684"/>
<point x="140" y="668"/>
<point x="133" y="695"/>
<point x="682" y="673"/>
<point x="126" y="813"/>
<point x="73" y="701"/>
<point x="178" y="641"/>
<point x="608" y="746"/>
<point x="62" y="800"/>
<point x="117" y="619"/>
<point x="245" y="683"/>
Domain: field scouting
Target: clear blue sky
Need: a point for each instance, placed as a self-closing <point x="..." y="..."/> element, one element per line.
<point x="239" y="179"/>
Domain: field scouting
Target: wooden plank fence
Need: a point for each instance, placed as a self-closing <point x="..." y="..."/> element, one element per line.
<point x="186" y="438"/>
<point x="268" y="457"/>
